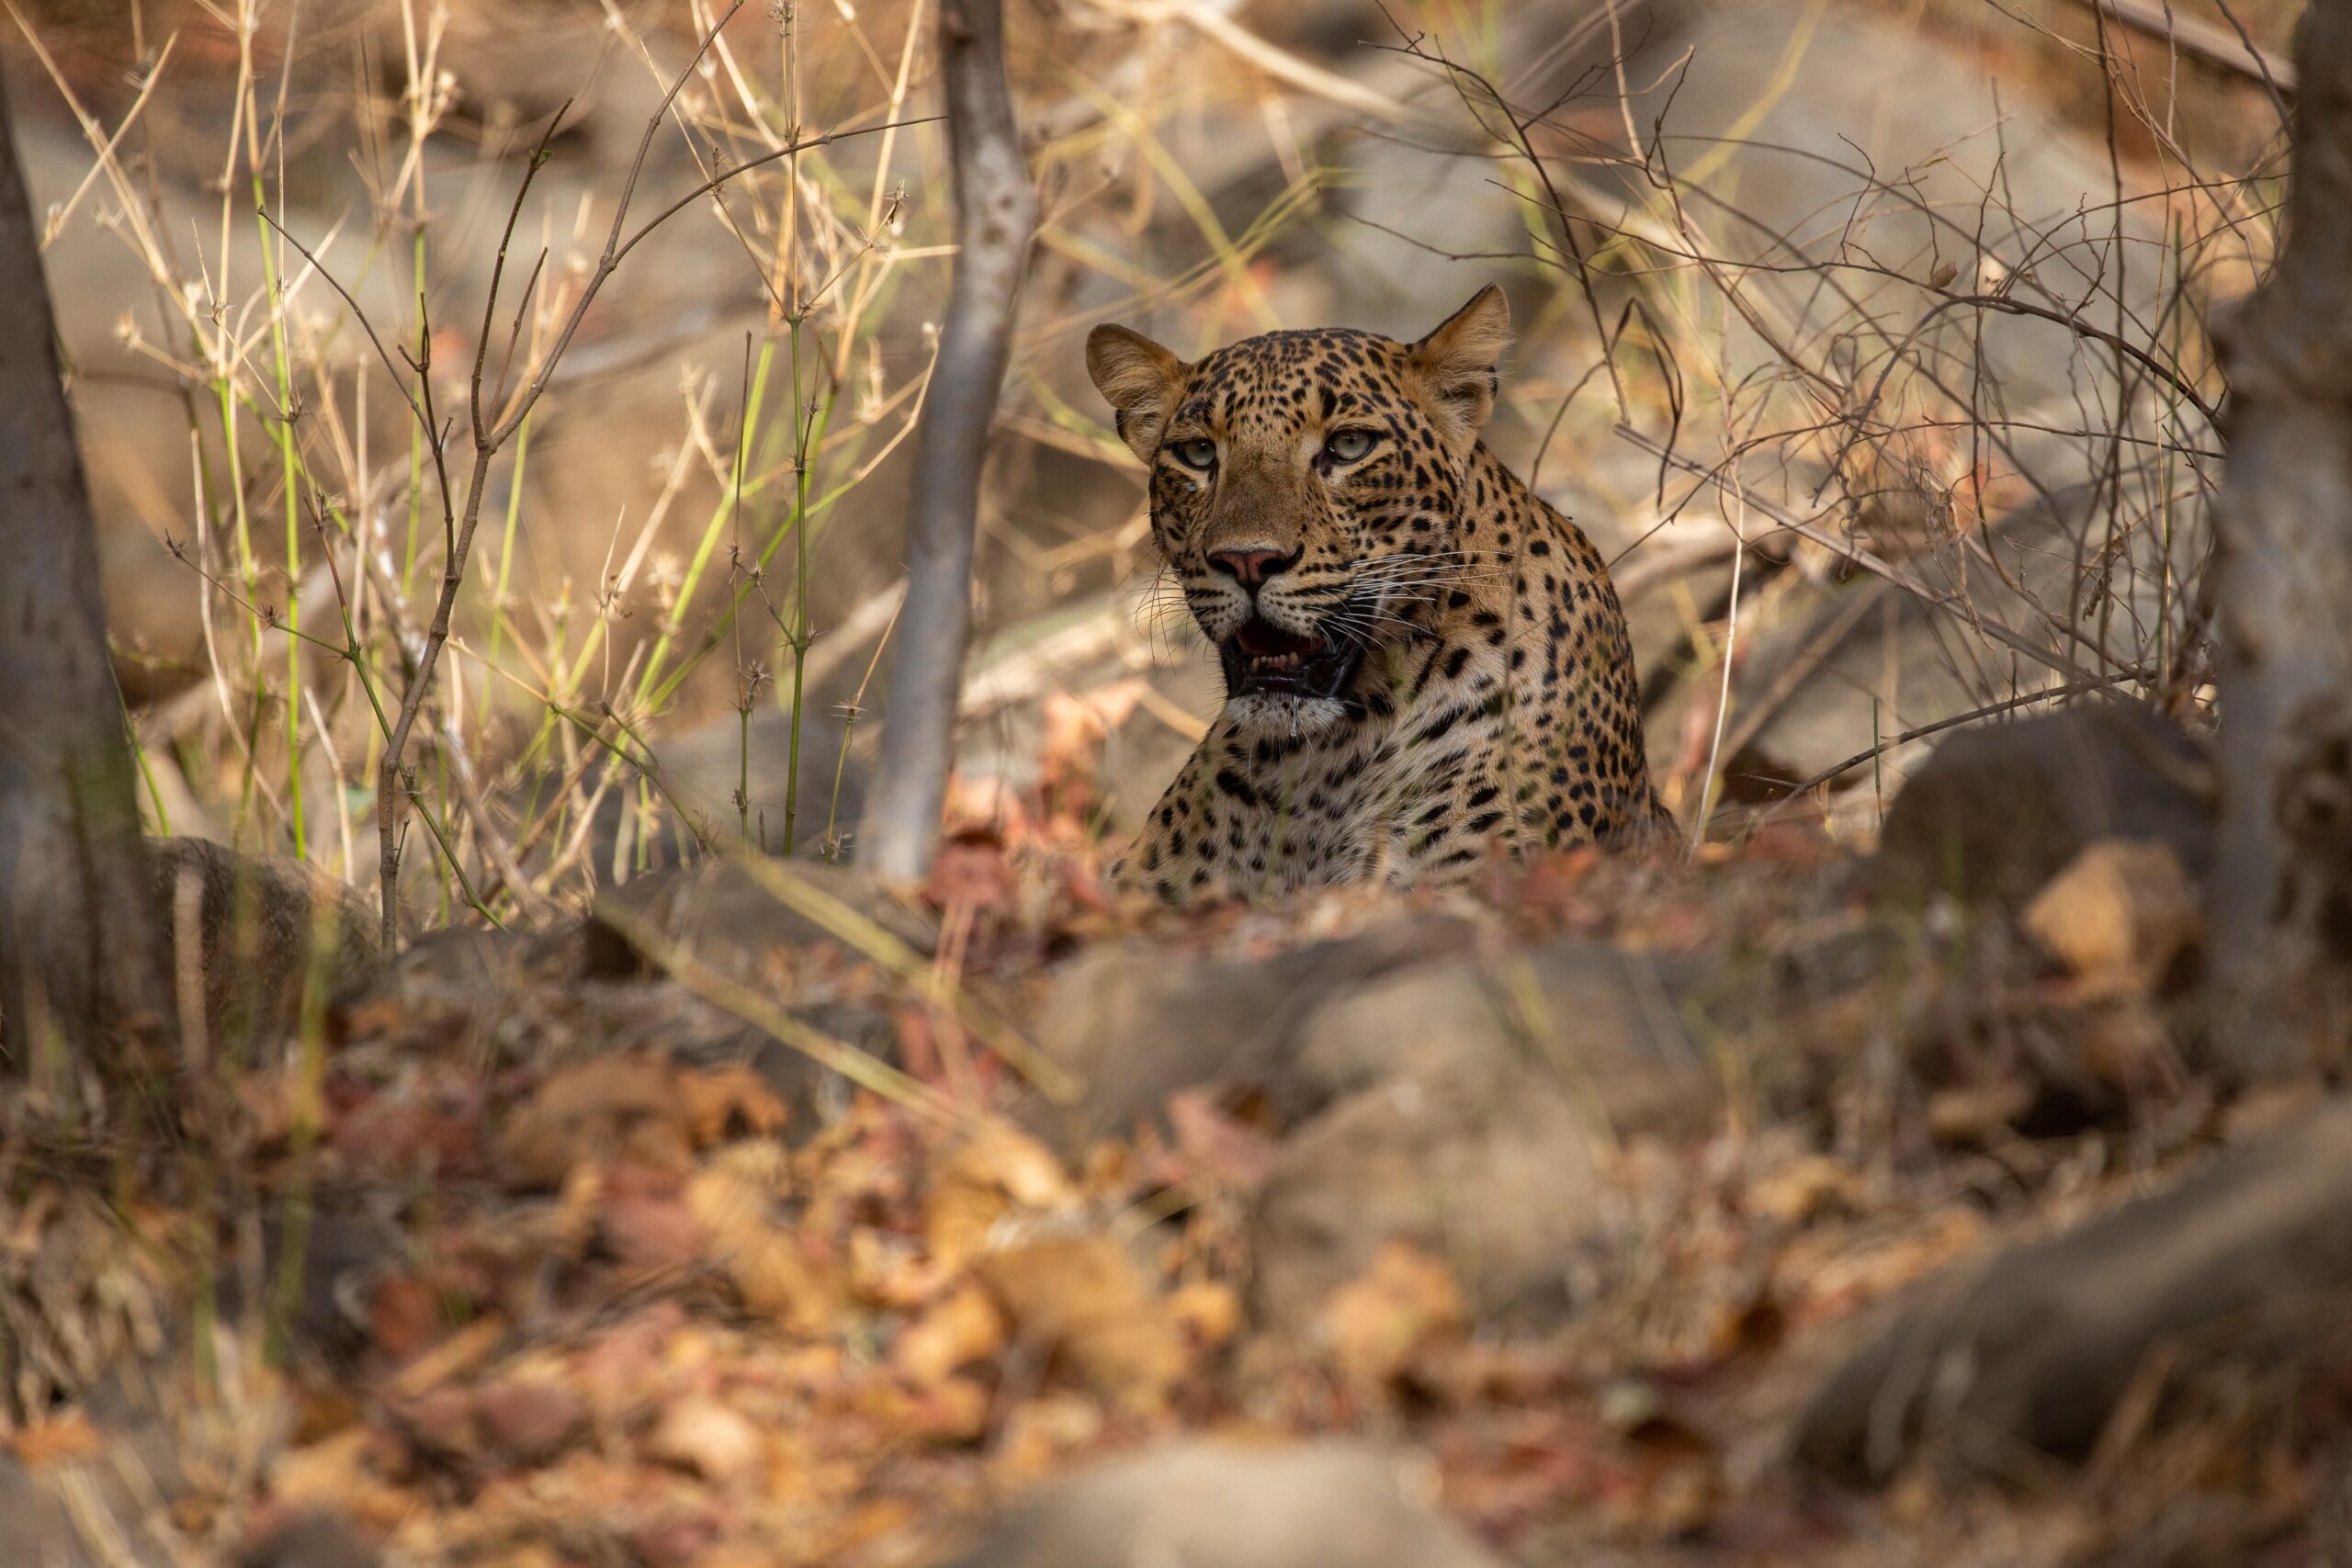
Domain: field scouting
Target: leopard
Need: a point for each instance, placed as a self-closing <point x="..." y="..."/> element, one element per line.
<point x="1426" y="666"/>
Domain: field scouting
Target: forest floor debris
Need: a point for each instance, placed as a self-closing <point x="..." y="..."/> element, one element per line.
<point x="1575" y="1190"/>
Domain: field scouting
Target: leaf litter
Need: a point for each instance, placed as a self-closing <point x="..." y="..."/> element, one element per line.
<point x="642" y="1307"/>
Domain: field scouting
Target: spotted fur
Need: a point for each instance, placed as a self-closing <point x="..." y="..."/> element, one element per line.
<point x="1422" y="658"/>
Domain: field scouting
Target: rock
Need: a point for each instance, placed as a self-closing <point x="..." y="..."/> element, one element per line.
<point x="1607" y="1025"/>
<point x="724" y="915"/>
<point x="1423" y="1161"/>
<point x="1310" y="1025"/>
<point x="2037" y="1347"/>
<point x="2118" y="916"/>
<point x="309" y="1539"/>
<point x="1414" y="1079"/>
<point x="1227" y="1505"/>
<point x="267" y="924"/>
<point x="1135" y="1026"/>
<point x="2000" y="809"/>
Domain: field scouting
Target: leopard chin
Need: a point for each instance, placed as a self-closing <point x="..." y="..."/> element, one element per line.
<point x="1284" y="713"/>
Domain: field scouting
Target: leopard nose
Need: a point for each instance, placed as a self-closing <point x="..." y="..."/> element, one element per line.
<point x="1251" y="567"/>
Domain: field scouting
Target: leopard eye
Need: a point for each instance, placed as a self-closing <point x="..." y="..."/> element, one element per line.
<point x="1347" y="446"/>
<point x="1197" y="453"/>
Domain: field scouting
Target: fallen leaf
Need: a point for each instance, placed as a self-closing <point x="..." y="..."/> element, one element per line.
<point x="981" y="1177"/>
<point x="675" y="1539"/>
<point x="1209" y="1310"/>
<point x="731" y="1202"/>
<point x="1803" y="1190"/>
<point x="622" y="1373"/>
<point x="970" y="870"/>
<point x="729" y="1101"/>
<point x="1974" y="1114"/>
<point x="612" y="1110"/>
<point x="421" y="1126"/>
<point x="2118" y="916"/>
<point x="952" y="1410"/>
<point x="645" y="1220"/>
<point x="340" y="1474"/>
<point x="963" y="1328"/>
<point x="528" y="1421"/>
<point x="1037" y="1433"/>
<point x="440" y="1421"/>
<point x="1217" y="1145"/>
<point x="468" y="1348"/>
<point x="1378" y="1320"/>
<point x="1081" y="1297"/>
<point x="705" y="1437"/>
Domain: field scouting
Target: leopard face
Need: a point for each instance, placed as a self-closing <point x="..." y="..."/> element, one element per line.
<point x="1304" y="488"/>
<point x="1425" y="663"/>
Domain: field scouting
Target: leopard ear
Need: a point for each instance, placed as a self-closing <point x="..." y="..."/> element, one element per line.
<point x="1139" y="379"/>
<point x="1456" y="364"/>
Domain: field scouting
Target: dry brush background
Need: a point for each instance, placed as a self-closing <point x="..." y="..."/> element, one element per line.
<point x="1872" y="342"/>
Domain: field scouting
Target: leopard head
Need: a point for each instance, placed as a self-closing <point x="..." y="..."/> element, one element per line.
<point x="1306" y="488"/>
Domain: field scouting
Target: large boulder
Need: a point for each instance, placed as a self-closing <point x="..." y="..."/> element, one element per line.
<point x="2003" y="807"/>
<point x="268" y="929"/>
<point x="1230" y="1505"/>
<point x="1416" y="996"/>
<point x="1415" y="1073"/>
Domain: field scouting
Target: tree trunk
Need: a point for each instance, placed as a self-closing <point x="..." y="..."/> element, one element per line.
<point x="2282" y="894"/>
<point x="81" y="955"/>
<point x="996" y="212"/>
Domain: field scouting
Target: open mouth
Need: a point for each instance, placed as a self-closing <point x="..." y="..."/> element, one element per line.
<point x="1262" y="658"/>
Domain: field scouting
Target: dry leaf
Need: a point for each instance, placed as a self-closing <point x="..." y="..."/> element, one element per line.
<point x="705" y="1437"/>
<point x="1207" y="1309"/>
<point x="645" y="1220"/>
<point x="527" y="1421"/>
<point x="1799" y="1192"/>
<point x="1039" y="1432"/>
<point x="469" y="1346"/>
<point x="729" y="1101"/>
<point x="952" y="1410"/>
<point x="964" y="1328"/>
<point x="1376" y="1322"/>
<point x="1081" y="1296"/>
<point x="1217" y="1145"/>
<point x="2118" y="916"/>
<point x="616" y="1109"/>
<point x="981" y="1177"/>
<point x="621" y="1374"/>
<point x="340" y="1474"/>
<point x="970" y="870"/>
<point x="1974" y="1114"/>
<point x="731" y="1202"/>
